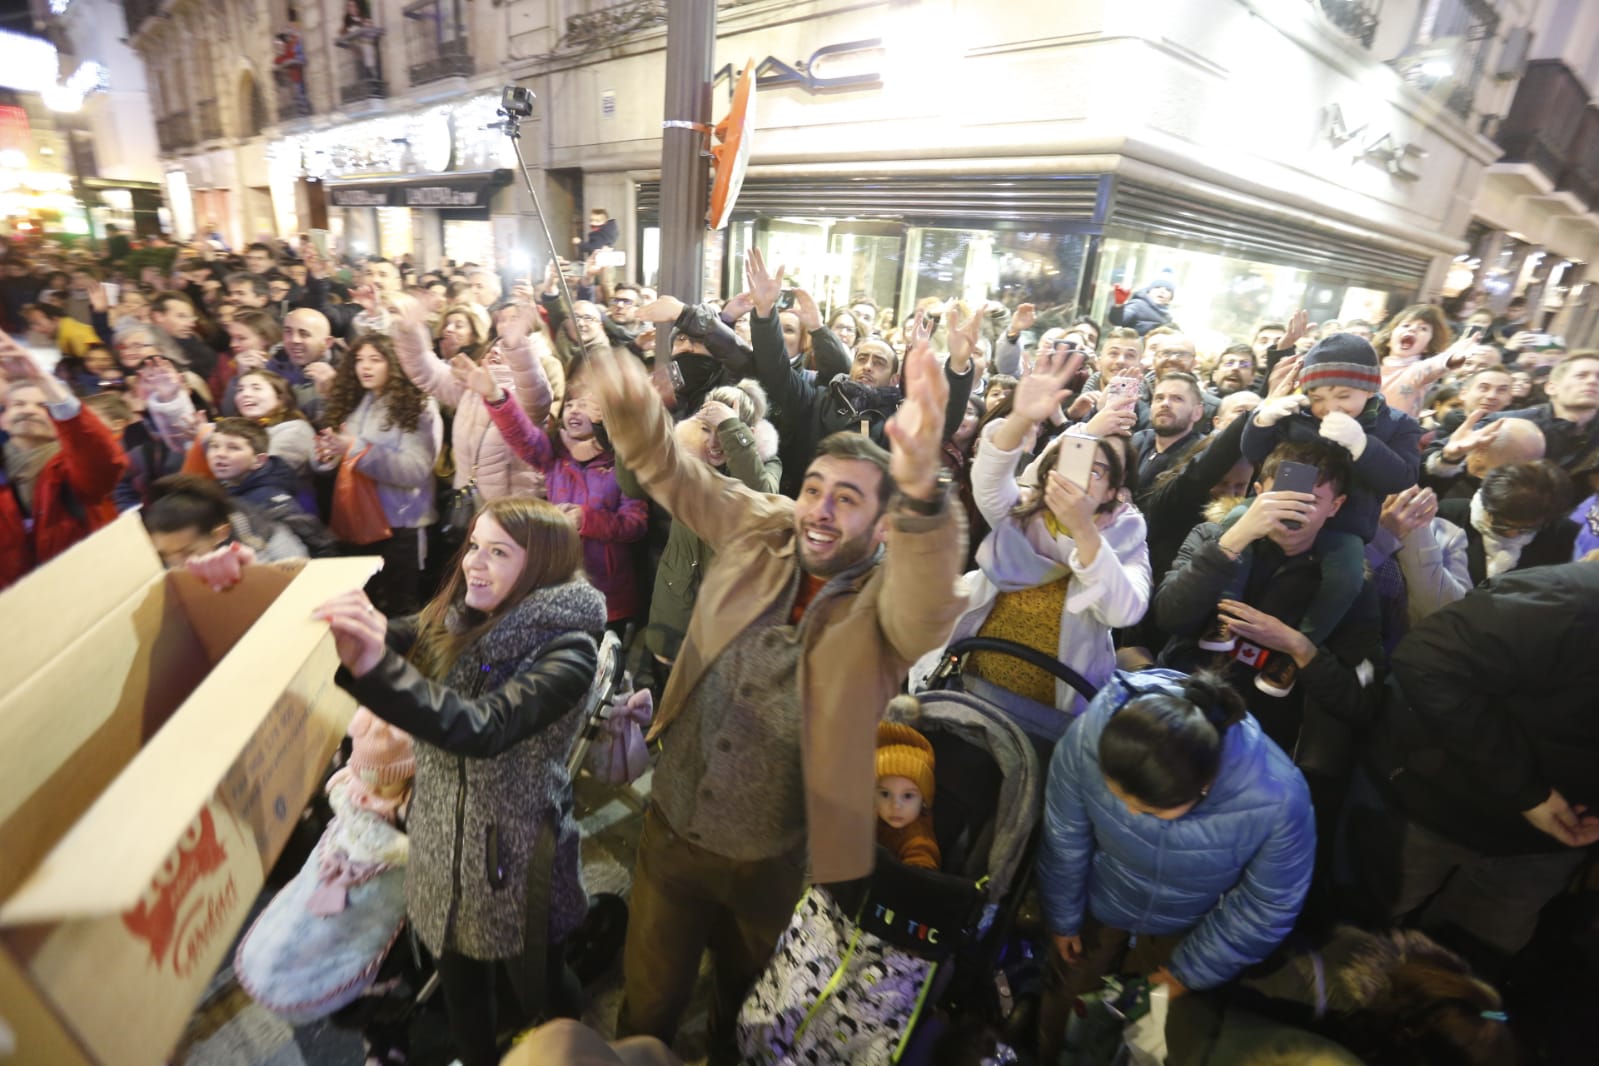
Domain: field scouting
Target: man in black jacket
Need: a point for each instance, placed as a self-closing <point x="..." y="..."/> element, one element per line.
<point x="1486" y="761"/>
<point x="1570" y="420"/>
<point x="1283" y="573"/>
<point x="806" y="413"/>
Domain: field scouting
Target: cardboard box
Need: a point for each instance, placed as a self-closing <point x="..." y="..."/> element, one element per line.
<point x="158" y="741"/>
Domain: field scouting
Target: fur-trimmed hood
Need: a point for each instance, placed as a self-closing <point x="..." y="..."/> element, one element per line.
<point x="1218" y="509"/>
<point x="765" y="440"/>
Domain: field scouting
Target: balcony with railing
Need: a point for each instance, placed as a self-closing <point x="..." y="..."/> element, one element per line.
<point x="1542" y="125"/>
<point x="209" y="118"/>
<point x="437" y="40"/>
<point x="174" y="132"/>
<point x="1582" y="174"/>
<point x="1356" y="18"/>
<point x="361" y="75"/>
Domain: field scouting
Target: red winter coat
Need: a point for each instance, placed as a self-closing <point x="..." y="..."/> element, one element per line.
<point x="71" y="499"/>
<point x="612" y="523"/>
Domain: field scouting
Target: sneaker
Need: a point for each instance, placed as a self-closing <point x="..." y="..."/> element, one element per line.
<point x="1219" y="637"/>
<point x="1277" y="677"/>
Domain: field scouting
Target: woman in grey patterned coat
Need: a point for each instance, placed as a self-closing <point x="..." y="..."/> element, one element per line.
<point x="489" y="679"/>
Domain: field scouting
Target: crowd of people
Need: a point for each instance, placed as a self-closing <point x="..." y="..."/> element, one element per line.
<point x="1334" y="585"/>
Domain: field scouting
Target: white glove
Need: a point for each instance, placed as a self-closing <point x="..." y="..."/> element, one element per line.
<point x="1343" y="430"/>
<point x="1270" y="412"/>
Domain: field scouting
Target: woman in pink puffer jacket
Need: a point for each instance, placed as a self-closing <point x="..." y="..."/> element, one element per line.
<point x="521" y="362"/>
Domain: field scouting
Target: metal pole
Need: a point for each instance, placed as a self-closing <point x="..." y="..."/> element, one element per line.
<point x="685" y="190"/>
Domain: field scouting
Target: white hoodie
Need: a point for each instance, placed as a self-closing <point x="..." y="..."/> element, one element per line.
<point x="1111" y="592"/>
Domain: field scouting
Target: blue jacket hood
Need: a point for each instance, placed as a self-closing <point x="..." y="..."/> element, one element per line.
<point x="1230" y="875"/>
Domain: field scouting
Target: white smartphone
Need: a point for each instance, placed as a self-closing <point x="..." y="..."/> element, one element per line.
<point x="1075" y="461"/>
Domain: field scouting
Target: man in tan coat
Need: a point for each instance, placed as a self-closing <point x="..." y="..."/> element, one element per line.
<point x="804" y="628"/>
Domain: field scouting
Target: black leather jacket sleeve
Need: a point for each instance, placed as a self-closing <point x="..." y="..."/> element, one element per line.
<point x="725" y="346"/>
<point x="548" y="687"/>
<point x="832" y="359"/>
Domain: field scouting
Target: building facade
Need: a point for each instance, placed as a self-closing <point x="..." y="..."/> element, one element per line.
<point x="1535" y="227"/>
<point x="1263" y="154"/>
<point x="367" y="119"/>
<point x="1260" y="154"/>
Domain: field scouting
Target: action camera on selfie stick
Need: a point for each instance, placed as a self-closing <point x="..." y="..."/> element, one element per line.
<point x="516" y="104"/>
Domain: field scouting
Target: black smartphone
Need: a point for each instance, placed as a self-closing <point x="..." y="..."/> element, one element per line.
<point x="1294" y="477"/>
<point x="1474" y="332"/>
<point x="785" y="300"/>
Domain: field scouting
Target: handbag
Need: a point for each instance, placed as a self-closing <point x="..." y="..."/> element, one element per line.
<point x="459" y="508"/>
<point x="357" y="513"/>
<point x="619" y="755"/>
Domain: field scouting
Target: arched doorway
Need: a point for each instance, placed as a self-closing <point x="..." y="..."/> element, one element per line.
<point x="254" y="115"/>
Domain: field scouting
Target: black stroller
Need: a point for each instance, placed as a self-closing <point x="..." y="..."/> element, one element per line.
<point x="876" y="970"/>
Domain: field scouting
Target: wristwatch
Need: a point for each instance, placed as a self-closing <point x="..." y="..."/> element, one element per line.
<point x="934" y="506"/>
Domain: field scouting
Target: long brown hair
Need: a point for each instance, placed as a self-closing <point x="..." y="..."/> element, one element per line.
<point x="1117" y="456"/>
<point x="554" y="556"/>
<point x="288" y="403"/>
<point x="404" y="401"/>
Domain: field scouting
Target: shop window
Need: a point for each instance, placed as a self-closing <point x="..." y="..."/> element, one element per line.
<point x="394" y="232"/>
<point x="837" y="260"/>
<point x="1219" y="299"/>
<point x="469" y="241"/>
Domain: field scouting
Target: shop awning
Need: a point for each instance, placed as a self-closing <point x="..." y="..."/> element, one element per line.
<point x="464" y="189"/>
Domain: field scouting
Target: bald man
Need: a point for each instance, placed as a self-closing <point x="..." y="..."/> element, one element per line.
<point x="1454" y="469"/>
<point x="304" y="359"/>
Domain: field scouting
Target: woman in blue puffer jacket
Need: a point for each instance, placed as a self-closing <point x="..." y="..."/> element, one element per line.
<point x="1179" y="841"/>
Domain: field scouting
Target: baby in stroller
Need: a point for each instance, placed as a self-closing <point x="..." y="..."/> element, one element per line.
<point x="905" y="796"/>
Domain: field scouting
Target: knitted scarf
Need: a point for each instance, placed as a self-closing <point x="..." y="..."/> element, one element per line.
<point x="1500" y="553"/>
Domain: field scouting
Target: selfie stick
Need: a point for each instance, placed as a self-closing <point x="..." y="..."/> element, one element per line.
<point x="511" y="125"/>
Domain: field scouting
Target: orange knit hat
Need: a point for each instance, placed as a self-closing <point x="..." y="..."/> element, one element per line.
<point x="903" y="752"/>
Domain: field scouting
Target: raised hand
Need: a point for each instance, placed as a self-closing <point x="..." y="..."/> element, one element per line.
<point x="1470" y="436"/>
<point x="619" y="385"/>
<point x="737" y="307"/>
<point x="916" y="432"/>
<point x="1284" y="377"/>
<point x="476" y="376"/>
<point x="765" y="286"/>
<point x="1025" y="316"/>
<point x="515" y="323"/>
<point x="810" y="315"/>
<point x="963" y="335"/>
<point x="1042" y="390"/>
<point x="1298" y="326"/>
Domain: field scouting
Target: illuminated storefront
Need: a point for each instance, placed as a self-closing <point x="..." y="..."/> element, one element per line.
<point x="1058" y="242"/>
<point x="429" y="183"/>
